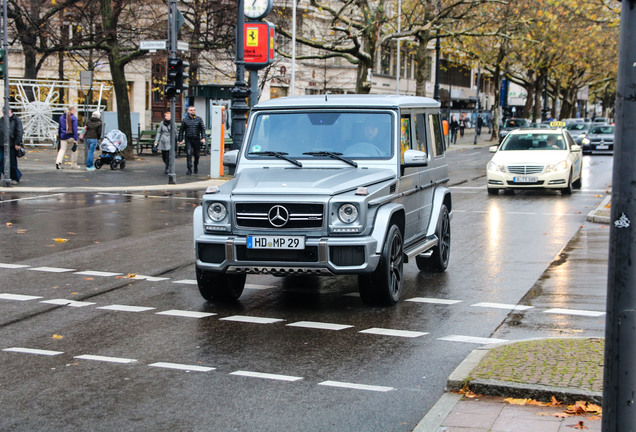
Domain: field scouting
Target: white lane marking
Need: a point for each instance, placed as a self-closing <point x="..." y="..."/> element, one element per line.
<point x="522" y="213"/>
<point x="97" y="273"/>
<point x="182" y="367"/>
<point x="148" y="278"/>
<point x="356" y="386"/>
<point x="13" y="266"/>
<point x="251" y="319"/>
<point x="51" y="269"/>
<point x="30" y="198"/>
<point x="33" y="351"/>
<point x="126" y="308"/>
<point x="502" y="306"/>
<point x="153" y="196"/>
<point x="186" y="282"/>
<point x="266" y="376"/>
<point x="433" y="300"/>
<point x="471" y="339"/>
<point x="468" y="187"/>
<point x="319" y="325"/>
<point x="187" y="314"/>
<point x="65" y="302"/>
<point x="391" y="332"/>
<point x="105" y="358"/>
<point x="258" y="287"/>
<point x="575" y="312"/>
<point x="18" y="297"/>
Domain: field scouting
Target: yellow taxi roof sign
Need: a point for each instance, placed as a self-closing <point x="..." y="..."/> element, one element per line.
<point x="557" y="124"/>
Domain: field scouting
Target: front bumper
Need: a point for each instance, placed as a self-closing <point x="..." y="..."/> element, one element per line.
<point x="321" y="256"/>
<point x="552" y="180"/>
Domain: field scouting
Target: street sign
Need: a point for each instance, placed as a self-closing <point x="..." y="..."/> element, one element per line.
<point x="183" y="46"/>
<point x="153" y="45"/>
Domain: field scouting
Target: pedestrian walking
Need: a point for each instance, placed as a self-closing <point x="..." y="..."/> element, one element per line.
<point x="162" y="140"/>
<point x="193" y="132"/>
<point x="16" y="148"/>
<point x="480" y="124"/>
<point x="68" y="137"/>
<point x="91" y="137"/>
<point x="454" y="127"/>
<point x="462" y="125"/>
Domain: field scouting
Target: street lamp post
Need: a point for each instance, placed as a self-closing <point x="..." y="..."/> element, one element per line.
<point x="7" y="160"/>
<point x="437" y="68"/>
<point x="240" y="92"/>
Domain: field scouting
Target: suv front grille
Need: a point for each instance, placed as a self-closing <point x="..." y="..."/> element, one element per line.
<point x="279" y="216"/>
<point x="525" y="169"/>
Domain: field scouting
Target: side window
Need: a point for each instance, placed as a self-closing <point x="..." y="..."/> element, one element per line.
<point x="420" y="133"/>
<point x="570" y="140"/>
<point x="405" y="135"/>
<point x="437" y="138"/>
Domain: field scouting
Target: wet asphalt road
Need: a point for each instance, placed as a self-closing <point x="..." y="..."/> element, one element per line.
<point x="294" y="354"/>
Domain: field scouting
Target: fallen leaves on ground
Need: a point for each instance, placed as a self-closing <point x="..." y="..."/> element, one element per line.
<point x="57" y="336"/>
<point x="579" y="425"/>
<point x="9" y="224"/>
<point x="582" y="407"/>
<point x="60" y="240"/>
<point x="468" y="392"/>
<point x="513" y="401"/>
<point x="578" y="408"/>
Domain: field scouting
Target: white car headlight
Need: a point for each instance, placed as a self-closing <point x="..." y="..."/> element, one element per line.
<point x="561" y="166"/>
<point x="492" y="166"/>
<point x="585" y="141"/>
<point x="348" y="213"/>
<point x="217" y="211"/>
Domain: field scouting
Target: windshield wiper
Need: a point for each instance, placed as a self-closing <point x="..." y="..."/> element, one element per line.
<point x="279" y="155"/>
<point x="333" y="155"/>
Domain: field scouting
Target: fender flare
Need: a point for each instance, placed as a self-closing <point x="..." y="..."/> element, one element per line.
<point x="381" y="224"/>
<point x="197" y="223"/>
<point x="442" y="195"/>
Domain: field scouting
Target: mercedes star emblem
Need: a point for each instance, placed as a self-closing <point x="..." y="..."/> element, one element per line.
<point x="278" y="216"/>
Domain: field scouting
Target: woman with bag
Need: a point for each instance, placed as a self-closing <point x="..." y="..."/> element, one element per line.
<point x="162" y="139"/>
<point x="68" y="137"/>
<point x="91" y="136"/>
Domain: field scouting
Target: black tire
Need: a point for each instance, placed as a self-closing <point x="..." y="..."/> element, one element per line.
<point x="509" y="191"/>
<point x="567" y="190"/>
<point x="579" y="182"/>
<point x="122" y="164"/>
<point x="113" y="164"/>
<point x="98" y="163"/>
<point x="383" y="287"/>
<point x="438" y="261"/>
<point x="493" y="191"/>
<point x="220" y="287"/>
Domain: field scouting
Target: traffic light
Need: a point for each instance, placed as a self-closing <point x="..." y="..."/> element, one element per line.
<point x="3" y="64"/>
<point x="175" y="71"/>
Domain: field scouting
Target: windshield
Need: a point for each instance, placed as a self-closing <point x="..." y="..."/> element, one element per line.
<point x="598" y="130"/>
<point x="298" y="134"/>
<point x="516" y="123"/>
<point x="533" y="142"/>
<point x="577" y="127"/>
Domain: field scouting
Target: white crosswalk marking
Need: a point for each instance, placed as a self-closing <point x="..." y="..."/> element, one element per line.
<point x="97" y="273"/>
<point x="126" y="308"/>
<point x="182" y="367"/>
<point x="250" y="319"/>
<point x="65" y="302"/>
<point x="33" y="351"/>
<point x="18" y="297"/>
<point x="258" y="287"/>
<point x="319" y="325"/>
<point x="502" y="306"/>
<point x="187" y="314"/>
<point x="472" y="339"/>
<point x="433" y="300"/>
<point x="52" y="269"/>
<point x="266" y="376"/>
<point x="13" y="266"/>
<point x="356" y="386"/>
<point x="186" y="281"/>
<point x="390" y="332"/>
<point x="105" y="358"/>
<point x="578" y="312"/>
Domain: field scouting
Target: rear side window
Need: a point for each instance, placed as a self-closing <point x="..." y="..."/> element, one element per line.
<point x="420" y="133"/>
<point x="437" y="137"/>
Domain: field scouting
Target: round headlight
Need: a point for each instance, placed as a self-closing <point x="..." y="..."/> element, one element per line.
<point x="585" y="141"/>
<point x="217" y="211"/>
<point x="348" y="213"/>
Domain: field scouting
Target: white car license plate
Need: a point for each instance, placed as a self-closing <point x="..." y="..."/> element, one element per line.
<point x="602" y="147"/>
<point x="525" y="179"/>
<point x="275" y="242"/>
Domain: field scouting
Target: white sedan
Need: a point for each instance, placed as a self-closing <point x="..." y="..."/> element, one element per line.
<point x="535" y="159"/>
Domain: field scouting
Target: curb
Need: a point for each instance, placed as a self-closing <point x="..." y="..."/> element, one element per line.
<point x="200" y="185"/>
<point x="461" y="377"/>
<point x="600" y="214"/>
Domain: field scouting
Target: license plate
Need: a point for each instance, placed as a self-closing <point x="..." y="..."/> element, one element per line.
<point x="275" y="242"/>
<point x="602" y="147"/>
<point x="525" y="179"/>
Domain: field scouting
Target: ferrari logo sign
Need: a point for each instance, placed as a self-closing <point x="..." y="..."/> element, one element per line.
<point x="259" y="45"/>
<point x="251" y="37"/>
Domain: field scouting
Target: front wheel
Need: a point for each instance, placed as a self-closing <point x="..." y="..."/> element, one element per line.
<point x="98" y="163"/>
<point x="220" y="286"/>
<point x="493" y="191"/>
<point x="122" y="164"/>
<point x="384" y="286"/>
<point x="438" y="261"/>
<point x="113" y="164"/>
<point x="567" y="190"/>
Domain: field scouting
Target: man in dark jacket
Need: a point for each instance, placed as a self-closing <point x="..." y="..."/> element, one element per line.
<point x="15" y="143"/>
<point x="193" y="130"/>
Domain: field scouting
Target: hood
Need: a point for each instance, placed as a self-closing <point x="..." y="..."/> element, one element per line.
<point x="534" y="157"/>
<point x="290" y="181"/>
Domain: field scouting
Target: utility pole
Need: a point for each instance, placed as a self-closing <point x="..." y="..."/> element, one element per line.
<point x="240" y="92"/>
<point x="619" y="380"/>
<point x="437" y="68"/>
<point x="6" y="179"/>
<point x="477" y="102"/>
<point x="172" y="41"/>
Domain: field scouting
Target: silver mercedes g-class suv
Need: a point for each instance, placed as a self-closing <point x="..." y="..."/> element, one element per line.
<point x="329" y="185"/>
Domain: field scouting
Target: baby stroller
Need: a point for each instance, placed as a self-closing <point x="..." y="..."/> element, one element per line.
<point x="112" y="146"/>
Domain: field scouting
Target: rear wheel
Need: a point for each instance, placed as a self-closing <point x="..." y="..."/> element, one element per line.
<point x="438" y="261"/>
<point x="113" y="164"/>
<point x="98" y="163"/>
<point x="220" y="286"/>
<point x="384" y="286"/>
<point x="122" y="164"/>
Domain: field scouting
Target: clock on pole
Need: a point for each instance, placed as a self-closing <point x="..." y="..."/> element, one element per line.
<point x="257" y="9"/>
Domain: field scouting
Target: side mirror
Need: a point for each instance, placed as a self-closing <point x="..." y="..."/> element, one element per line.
<point x="493" y="149"/>
<point x="230" y="158"/>
<point x="575" y="148"/>
<point x="415" y="158"/>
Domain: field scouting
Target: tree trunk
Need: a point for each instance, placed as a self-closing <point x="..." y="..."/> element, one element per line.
<point x="120" y="85"/>
<point x="422" y="65"/>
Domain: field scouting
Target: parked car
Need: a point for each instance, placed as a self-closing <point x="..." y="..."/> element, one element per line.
<point x="512" y="124"/>
<point x="535" y="159"/>
<point x="329" y="185"/>
<point x="600" y="139"/>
